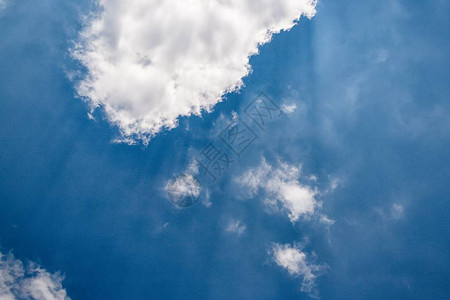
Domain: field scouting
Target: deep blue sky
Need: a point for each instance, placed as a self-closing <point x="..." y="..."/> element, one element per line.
<point x="370" y="81"/>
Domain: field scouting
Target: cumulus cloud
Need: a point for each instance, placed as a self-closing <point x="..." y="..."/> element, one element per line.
<point x="282" y="188"/>
<point x="236" y="227"/>
<point x="28" y="282"/>
<point x="298" y="264"/>
<point x="149" y="62"/>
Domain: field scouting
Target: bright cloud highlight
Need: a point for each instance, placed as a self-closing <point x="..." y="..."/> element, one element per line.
<point x="28" y="282"/>
<point x="150" y="62"/>
<point x="298" y="264"/>
<point x="282" y="189"/>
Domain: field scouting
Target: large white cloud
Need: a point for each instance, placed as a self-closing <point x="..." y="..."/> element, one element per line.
<point x="151" y="61"/>
<point x="282" y="189"/>
<point x="28" y="282"/>
<point x="297" y="263"/>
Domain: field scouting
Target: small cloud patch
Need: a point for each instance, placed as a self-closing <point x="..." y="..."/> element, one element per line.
<point x="298" y="264"/>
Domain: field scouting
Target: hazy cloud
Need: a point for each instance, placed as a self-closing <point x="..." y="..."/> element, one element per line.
<point x="288" y="108"/>
<point x="2" y="4"/>
<point x="183" y="186"/>
<point x="236" y="227"/>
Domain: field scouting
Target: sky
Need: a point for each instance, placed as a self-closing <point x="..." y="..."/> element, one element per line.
<point x="267" y="149"/>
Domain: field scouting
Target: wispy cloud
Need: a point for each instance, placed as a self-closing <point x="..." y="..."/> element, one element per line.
<point x="282" y="188"/>
<point x="28" y="282"/>
<point x="150" y="62"/>
<point x="298" y="264"/>
<point x="393" y="212"/>
<point x="182" y="187"/>
<point x="236" y="227"/>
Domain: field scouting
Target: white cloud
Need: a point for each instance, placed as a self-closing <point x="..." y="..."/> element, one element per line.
<point x="236" y="227"/>
<point x="207" y="200"/>
<point x="28" y="282"/>
<point x="325" y="220"/>
<point x="334" y="183"/>
<point x="183" y="186"/>
<point x="151" y="61"/>
<point x="255" y="178"/>
<point x="288" y="108"/>
<point x="297" y="263"/>
<point x="282" y="189"/>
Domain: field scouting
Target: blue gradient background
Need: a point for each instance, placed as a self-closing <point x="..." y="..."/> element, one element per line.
<point x="371" y="83"/>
